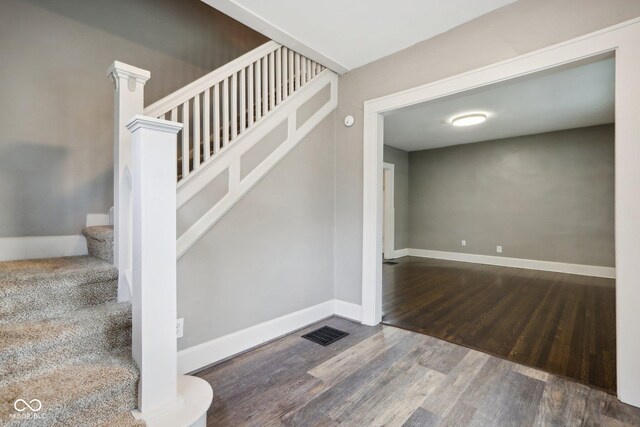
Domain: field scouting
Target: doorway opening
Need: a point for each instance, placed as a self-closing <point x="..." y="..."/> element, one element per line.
<point x="619" y="40"/>
<point x="510" y="222"/>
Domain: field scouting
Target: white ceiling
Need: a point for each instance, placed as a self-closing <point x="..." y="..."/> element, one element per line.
<point x="567" y="98"/>
<point x="344" y="35"/>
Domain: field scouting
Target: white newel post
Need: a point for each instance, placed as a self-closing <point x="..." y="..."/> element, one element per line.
<point x="154" y="260"/>
<point x="129" y="84"/>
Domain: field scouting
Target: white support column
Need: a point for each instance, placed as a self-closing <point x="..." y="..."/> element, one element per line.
<point x="129" y="84"/>
<point x="154" y="260"/>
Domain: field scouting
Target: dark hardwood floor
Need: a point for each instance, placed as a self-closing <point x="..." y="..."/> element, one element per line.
<point x="386" y="376"/>
<point x="560" y="323"/>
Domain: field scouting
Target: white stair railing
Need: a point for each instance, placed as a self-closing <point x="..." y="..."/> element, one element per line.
<point x="204" y="119"/>
<point x="129" y="84"/>
<point x="145" y="253"/>
<point x="220" y="106"/>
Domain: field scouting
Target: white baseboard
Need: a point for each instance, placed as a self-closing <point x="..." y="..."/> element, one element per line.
<point x="348" y="310"/>
<point x="399" y="253"/>
<point x="216" y="350"/>
<point x="559" y="267"/>
<point x="13" y="248"/>
<point x="98" y="219"/>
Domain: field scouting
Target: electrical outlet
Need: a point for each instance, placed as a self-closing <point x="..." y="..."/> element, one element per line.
<point x="179" y="327"/>
<point x="499" y="249"/>
<point x="464" y="243"/>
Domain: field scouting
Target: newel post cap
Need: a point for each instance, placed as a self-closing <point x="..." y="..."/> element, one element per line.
<point x="120" y="70"/>
<point x="140" y="121"/>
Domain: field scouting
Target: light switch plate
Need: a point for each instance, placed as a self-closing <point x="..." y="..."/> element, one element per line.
<point x="180" y="328"/>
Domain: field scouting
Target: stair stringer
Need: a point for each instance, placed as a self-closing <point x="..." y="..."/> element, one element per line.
<point x="230" y="159"/>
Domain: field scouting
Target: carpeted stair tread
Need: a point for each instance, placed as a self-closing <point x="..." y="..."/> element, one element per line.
<point x="102" y="233"/>
<point x="78" y="395"/>
<point x="41" y="288"/>
<point x="16" y="275"/>
<point x="124" y="419"/>
<point x="100" y="241"/>
<point x="66" y="339"/>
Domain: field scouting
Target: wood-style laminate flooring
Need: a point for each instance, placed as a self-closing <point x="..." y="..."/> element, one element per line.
<point x="388" y="376"/>
<point x="561" y="323"/>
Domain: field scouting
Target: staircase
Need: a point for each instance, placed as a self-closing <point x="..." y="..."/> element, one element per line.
<point x="89" y="340"/>
<point x="66" y="341"/>
<point x="227" y="115"/>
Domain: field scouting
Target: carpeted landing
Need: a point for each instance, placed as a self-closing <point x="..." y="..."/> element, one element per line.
<point x="66" y="341"/>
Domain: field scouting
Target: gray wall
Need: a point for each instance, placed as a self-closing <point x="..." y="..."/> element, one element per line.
<point x="56" y="146"/>
<point x="271" y="254"/>
<point x="400" y="159"/>
<point x="546" y="197"/>
<point x="521" y="27"/>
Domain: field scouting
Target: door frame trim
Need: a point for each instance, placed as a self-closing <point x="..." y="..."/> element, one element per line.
<point x="624" y="41"/>
<point x="389" y="229"/>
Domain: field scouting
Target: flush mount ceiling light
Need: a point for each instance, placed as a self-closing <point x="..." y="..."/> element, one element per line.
<point x="469" y="119"/>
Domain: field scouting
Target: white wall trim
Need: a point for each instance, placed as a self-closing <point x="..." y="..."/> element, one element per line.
<point x="399" y="253"/>
<point x="348" y="310"/>
<point x="389" y="215"/>
<point x="622" y="39"/>
<point x="530" y="264"/>
<point x="13" y="248"/>
<point x="202" y="355"/>
<point x="94" y="219"/>
<point x="287" y="111"/>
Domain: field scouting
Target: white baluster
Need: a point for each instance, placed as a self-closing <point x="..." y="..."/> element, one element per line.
<point x="216" y="119"/>
<point x="206" y="122"/>
<point x="243" y="101"/>
<point x="186" y="149"/>
<point x="297" y="72"/>
<point x="291" y="73"/>
<point x="196" y="132"/>
<point x="272" y="81"/>
<point x="234" y="106"/>
<point x="303" y="71"/>
<point x="174" y="118"/>
<point x="250" y="105"/>
<point x="225" y="112"/>
<point x="279" y="76"/>
<point x="265" y="86"/>
<point x="258" y="89"/>
<point x="285" y="75"/>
